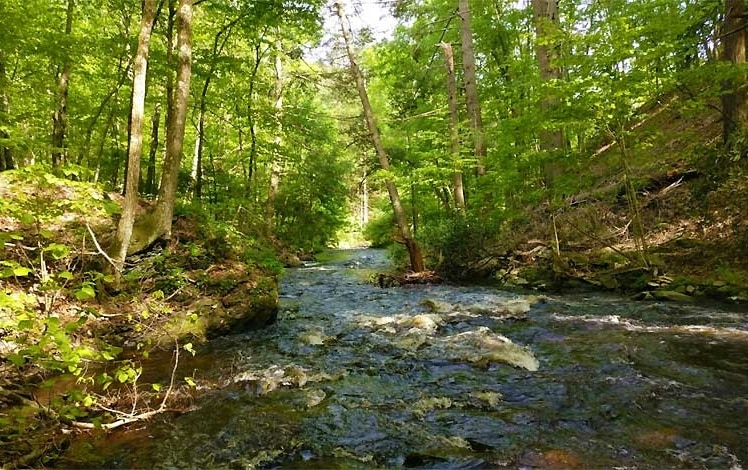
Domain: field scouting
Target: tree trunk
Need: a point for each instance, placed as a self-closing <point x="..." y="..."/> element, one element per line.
<point x="414" y="251"/>
<point x="124" y="69"/>
<point x="135" y="147"/>
<point x="551" y="140"/>
<point x="364" y="199"/>
<point x="275" y="164"/>
<point x="251" y="165"/>
<point x="197" y="167"/>
<point x="546" y="21"/>
<point x="734" y="103"/>
<point x="150" y="179"/>
<point x="471" y="86"/>
<point x="158" y="223"/>
<point x="60" y="117"/>
<point x="454" y="122"/>
<point x="170" y="66"/>
<point x="6" y="154"/>
<point x="95" y="118"/>
<point x="175" y="130"/>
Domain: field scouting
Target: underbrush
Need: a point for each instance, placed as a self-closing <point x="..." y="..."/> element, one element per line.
<point x="73" y="342"/>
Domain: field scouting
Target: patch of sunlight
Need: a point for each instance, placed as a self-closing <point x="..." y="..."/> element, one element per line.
<point x="426" y="322"/>
<point x="482" y="346"/>
<point x="425" y="405"/>
<point x="314" y="338"/>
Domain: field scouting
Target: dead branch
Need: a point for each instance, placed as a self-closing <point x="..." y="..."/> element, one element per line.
<point x="98" y="247"/>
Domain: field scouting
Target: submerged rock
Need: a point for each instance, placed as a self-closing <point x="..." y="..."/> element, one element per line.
<point x="482" y="346"/>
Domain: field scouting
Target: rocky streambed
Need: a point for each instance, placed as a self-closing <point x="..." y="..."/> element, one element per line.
<point x="356" y="376"/>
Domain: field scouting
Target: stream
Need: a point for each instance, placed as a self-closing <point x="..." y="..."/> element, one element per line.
<point x="356" y="376"/>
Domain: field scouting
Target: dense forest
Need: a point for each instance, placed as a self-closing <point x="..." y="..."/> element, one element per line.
<point x="157" y="156"/>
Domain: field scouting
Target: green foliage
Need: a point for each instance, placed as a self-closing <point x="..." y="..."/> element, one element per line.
<point x="379" y="230"/>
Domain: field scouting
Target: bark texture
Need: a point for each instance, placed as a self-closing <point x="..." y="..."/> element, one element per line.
<point x="471" y="86"/>
<point x="157" y="224"/>
<point x="275" y="164"/>
<point x="60" y="116"/>
<point x="454" y="120"/>
<point x="734" y="105"/>
<point x="135" y="147"/>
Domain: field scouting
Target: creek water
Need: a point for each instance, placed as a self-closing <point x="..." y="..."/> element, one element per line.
<point x="356" y="376"/>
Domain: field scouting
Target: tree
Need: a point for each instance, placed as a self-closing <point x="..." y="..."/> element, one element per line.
<point x="177" y="121"/>
<point x="414" y="251"/>
<point x="135" y="147"/>
<point x="60" y="116"/>
<point x="546" y="22"/>
<point x="275" y="164"/>
<point x="734" y="103"/>
<point x="158" y="224"/>
<point x="219" y="43"/>
<point x="6" y="154"/>
<point x="454" y="121"/>
<point x="150" y="178"/>
<point x="471" y="85"/>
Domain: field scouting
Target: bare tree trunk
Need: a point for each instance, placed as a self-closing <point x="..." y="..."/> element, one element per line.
<point x="135" y="147"/>
<point x="734" y="103"/>
<point x="150" y="179"/>
<point x="454" y="122"/>
<point x="414" y="251"/>
<point x="167" y="193"/>
<point x="471" y="86"/>
<point x="6" y="154"/>
<point x="60" y="116"/>
<point x="275" y="164"/>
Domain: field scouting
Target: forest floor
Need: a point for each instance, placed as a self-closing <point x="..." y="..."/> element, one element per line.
<point x="683" y="238"/>
<point x="65" y="322"/>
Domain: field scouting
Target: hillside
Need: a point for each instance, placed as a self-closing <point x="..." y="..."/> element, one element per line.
<point x="75" y="344"/>
<point x="690" y="203"/>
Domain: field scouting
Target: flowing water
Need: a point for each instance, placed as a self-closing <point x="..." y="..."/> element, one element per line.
<point x="356" y="376"/>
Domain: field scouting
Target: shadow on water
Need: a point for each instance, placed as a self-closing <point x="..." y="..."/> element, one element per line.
<point x="354" y="376"/>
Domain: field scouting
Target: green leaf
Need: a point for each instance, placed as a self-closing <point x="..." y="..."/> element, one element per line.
<point x="85" y="293"/>
<point x="20" y="271"/>
<point x="57" y="250"/>
<point x="156" y="387"/>
<point x="67" y="275"/>
<point x="190" y="382"/>
<point x="16" y="359"/>
<point x="188" y="347"/>
<point x="48" y="234"/>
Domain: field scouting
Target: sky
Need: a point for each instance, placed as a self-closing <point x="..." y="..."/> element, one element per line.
<point x="372" y="14"/>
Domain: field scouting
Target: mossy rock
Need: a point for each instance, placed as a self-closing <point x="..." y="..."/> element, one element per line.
<point x="672" y="296"/>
